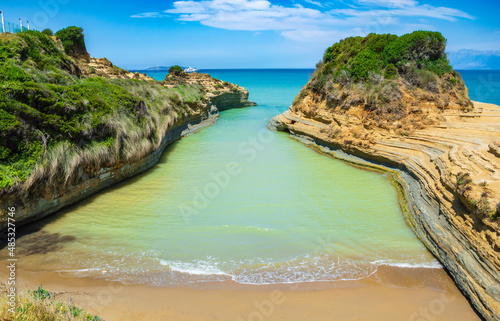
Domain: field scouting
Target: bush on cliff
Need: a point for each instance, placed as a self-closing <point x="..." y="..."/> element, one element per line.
<point x="175" y="70"/>
<point x="72" y="39"/>
<point x="53" y="122"/>
<point x="368" y="71"/>
<point x="359" y="55"/>
<point x="48" y="32"/>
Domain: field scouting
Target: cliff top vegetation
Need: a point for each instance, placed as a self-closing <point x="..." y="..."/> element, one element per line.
<point x="54" y="120"/>
<point x="388" y="76"/>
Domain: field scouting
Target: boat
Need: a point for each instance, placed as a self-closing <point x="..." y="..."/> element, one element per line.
<point x="190" y="69"/>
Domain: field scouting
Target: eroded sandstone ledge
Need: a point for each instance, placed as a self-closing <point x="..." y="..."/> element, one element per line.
<point x="425" y="165"/>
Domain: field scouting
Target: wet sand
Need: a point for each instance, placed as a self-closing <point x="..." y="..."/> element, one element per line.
<point x="390" y="294"/>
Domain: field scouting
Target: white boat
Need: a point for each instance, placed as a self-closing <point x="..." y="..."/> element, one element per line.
<point x="190" y="69"/>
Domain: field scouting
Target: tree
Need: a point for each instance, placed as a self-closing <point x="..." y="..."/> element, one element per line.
<point x="47" y="32"/>
<point x="391" y="71"/>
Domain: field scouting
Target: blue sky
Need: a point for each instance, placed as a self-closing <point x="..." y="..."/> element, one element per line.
<point x="253" y="33"/>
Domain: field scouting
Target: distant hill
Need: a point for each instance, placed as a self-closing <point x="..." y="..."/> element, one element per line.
<point x="160" y="68"/>
<point x="464" y="59"/>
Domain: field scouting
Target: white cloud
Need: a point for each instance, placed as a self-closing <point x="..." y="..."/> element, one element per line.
<point x="390" y="3"/>
<point x="316" y="3"/>
<point x="425" y="10"/>
<point x="302" y="24"/>
<point x="149" y="15"/>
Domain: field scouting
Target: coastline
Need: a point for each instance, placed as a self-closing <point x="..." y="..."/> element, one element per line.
<point x="429" y="215"/>
<point x="368" y="299"/>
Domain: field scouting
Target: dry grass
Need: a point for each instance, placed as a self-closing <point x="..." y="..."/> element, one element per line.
<point x="38" y="305"/>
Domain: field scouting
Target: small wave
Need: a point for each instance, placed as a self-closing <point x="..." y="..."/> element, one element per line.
<point x="258" y="228"/>
<point x="198" y="267"/>
<point x="257" y="271"/>
<point x="426" y="265"/>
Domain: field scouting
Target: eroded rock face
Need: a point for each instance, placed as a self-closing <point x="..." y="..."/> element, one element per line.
<point x="449" y="176"/>
<point x="221" y="93"/>
<point x="232" y="99"/>
<point x="102" y="67"/>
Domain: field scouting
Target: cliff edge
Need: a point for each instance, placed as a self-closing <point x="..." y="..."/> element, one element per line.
<point x="394" y="103"/>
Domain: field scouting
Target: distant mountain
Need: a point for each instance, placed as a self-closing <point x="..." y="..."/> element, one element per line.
<point x="464" y="59"/>
<point x="160" y="68"/>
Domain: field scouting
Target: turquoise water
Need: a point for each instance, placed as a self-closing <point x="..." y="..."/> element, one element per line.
<point x="236" y="201"/>
<point x="483" y="85"/>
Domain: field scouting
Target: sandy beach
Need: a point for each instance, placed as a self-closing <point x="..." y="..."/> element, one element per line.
<point x="390" y="294"/>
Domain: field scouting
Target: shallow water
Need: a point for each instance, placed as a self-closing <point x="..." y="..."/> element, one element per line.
<point x="235" y="201"/>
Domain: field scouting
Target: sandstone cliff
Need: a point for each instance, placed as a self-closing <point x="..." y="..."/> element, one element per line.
<point x="442" y="151"/>
<point x="221" y="93"/>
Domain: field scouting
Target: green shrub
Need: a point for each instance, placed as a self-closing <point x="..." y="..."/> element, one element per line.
<point x="72" y="39"/>
<point x="364" y="62"/>
<point x="378" y="43"/>
<point x="47" y="32"/>
<point x="359" y="56"/>
<point x="40" y="294"/>
<point x="7" y="121"/>
<point x="419" y="46"/>
<point x="390" y="71"/>
<point x="175" y="70"/>
<point x="439" y="66"/>
<point x="4" y="152"/>
<point x="219" y="86"/>
<point x="75" y="311"/>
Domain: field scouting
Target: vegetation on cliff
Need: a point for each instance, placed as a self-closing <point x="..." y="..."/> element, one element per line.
<point x="72" y="40"/>
<point x="175" y="70"/>
<point x="39" y="304"/>
<point x="388" y="76"/>
<point x="54" y="122"/>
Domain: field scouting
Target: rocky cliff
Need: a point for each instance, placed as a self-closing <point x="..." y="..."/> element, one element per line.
<point x="221" y="93"/>
<point x="87" y="124"/>
<point x="440" y="147"/>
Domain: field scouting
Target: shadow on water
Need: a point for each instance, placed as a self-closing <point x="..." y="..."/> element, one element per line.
<point x="32" y="239"/>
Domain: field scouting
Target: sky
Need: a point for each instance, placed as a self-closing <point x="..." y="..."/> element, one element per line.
<point x="213" y="34"/>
